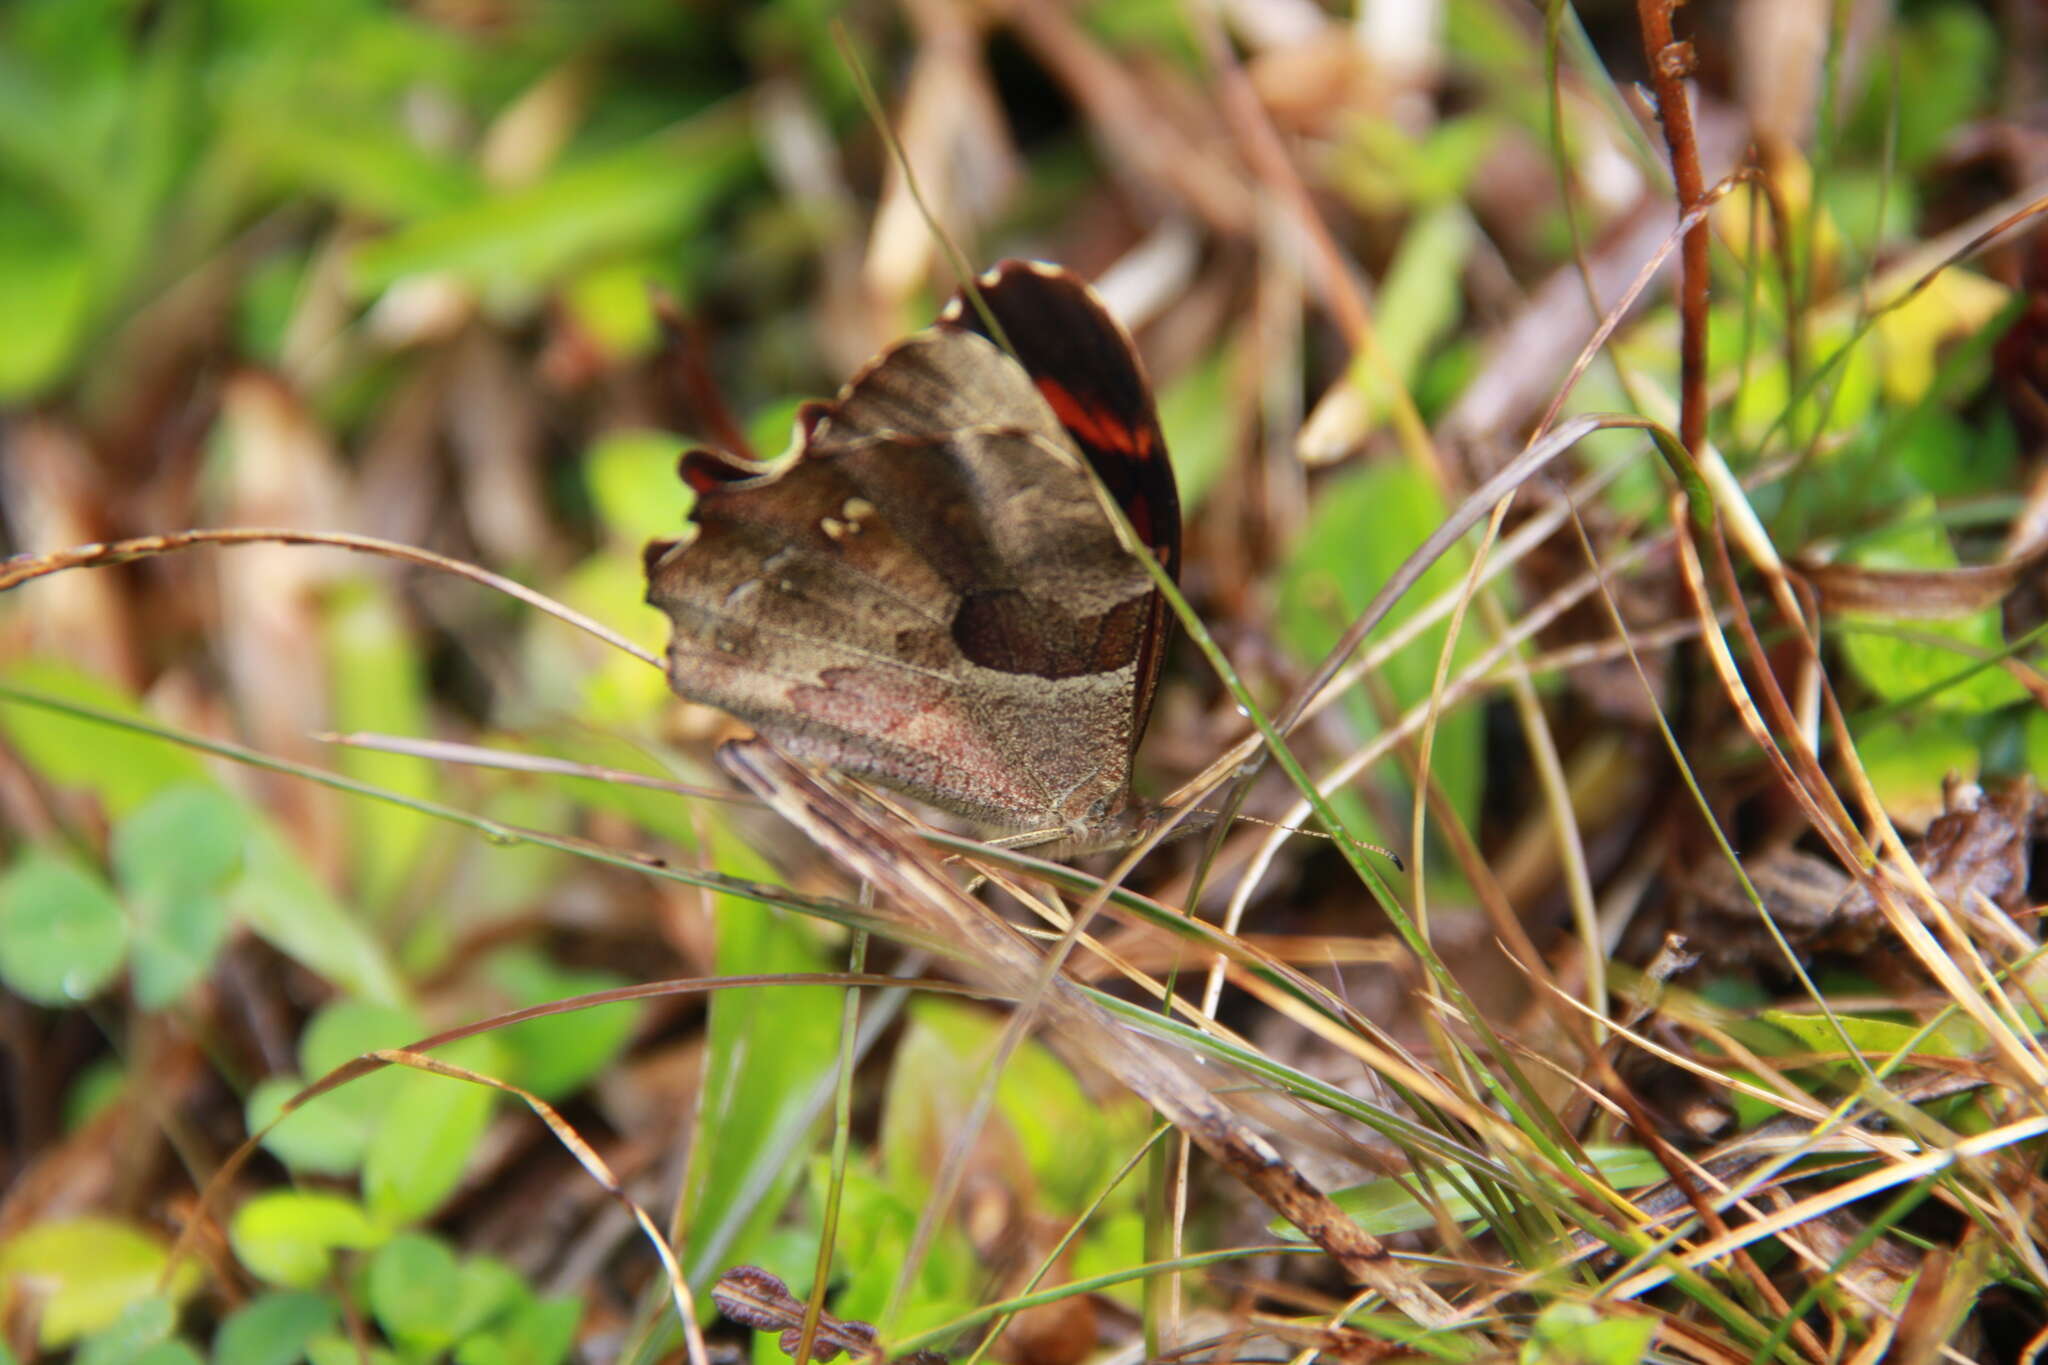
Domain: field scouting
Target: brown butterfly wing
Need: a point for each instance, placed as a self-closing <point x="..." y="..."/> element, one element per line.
<point x="927" y="595"/>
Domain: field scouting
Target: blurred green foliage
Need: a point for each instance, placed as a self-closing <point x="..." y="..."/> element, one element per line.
<point x="95" y="1273"/>
<point x="140" y="142"/>
<point x="555" y="158"/>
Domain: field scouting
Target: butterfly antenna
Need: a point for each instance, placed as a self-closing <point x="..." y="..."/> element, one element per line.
<point x="962" y="271"/>
<point x="1399" y="864"/>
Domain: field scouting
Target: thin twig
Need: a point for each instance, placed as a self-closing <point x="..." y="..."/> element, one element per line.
<point x="21" y="568"/>
<point x="1670" y="62"/>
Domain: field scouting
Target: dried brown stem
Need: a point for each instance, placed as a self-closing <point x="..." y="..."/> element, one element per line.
<point x="21" y="568"/>
<point x="1166" y="1081"/>
<point x="1671" y="61"/>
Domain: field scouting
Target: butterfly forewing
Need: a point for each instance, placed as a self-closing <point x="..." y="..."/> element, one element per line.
<point x="1084" y="365"/>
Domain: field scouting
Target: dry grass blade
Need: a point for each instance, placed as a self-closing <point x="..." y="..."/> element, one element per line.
<point x="1907" y="1170"/>
<point x="1169" y="1084"/>
<point x="1799" y="771"/>
<point x="587" y="1157"/>
<point x="24" y="568"/>
<point x="1704" y="1015"/>
<point x="1933" y="594"/>
<point x="448" y="751"/>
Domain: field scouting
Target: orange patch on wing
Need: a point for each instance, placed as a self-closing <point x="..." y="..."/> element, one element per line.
<point x="1094" y="424"/>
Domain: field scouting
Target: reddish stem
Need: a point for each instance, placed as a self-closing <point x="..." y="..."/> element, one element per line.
<point x="1671" y="61"/>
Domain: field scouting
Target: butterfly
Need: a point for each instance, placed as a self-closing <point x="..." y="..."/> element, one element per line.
<point x="925" y="592"/>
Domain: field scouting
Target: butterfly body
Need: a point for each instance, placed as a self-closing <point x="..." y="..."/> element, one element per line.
<point x="928" y="593"/>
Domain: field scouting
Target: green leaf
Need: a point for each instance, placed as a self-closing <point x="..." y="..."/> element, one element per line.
<point x="1948" y="456"/>
<point x="1070" y="1139"/>
<point x="143" y="1324"/>
<point x="1877" y="1039"/>
<point x="335" y="1348"/>
<point x="621" y="693"/>
<point x="173" y="859"/>
<point x="1947" y="67"/>
<point x="1421" y="299"/>
<point x="100" y="1083"/>
<point x="414" y="1288"/>
<point x="273" y="1329"/>
<point x="46" y="294"/>
<point x="1384" y="168"/>
<point x="498" y="881"/>
<point x="122" y="768"/>
<point x="1384" y="1207"/>
<point x="632" y="479"/>
<point x="87" y="1272"/>
<point x="379" y="685"/>
<point x="1576" y="1334"/>
<point x="325" y="1136"/>
<point x="168" y="1353"/>
<point x="876" y="1227"/>
<point x="289" y="1237"/>
<point x="285" y="903"/>
<point x="487" y="1290"/>
<point x="610" y="302"/>
<point x="1902" y="657"/>
<point x="1908" y="763"/>
<point x="275" y="896"/>
<point x="148" y="143"/>
<point x="330" y="1133"/>
<point x="522" y="239"/>
<point x="48" y="138"/>
<point x="1194" y="412"/>
<point x="769" y="1052"/>
<point x="657" y="812"/>
<point x="363" y="163"/>
<point x="1845" y="399"/>
<point x="554" y="1055"/>
<point x="266" y="305"/>
<point x="2037" y="745"/>
<point x="427" y="1134"/>
<point x="346" y="1030"/>
<point x="773" y="427"/>
<point x="1362" y="527"/>
<point x="62" y="934"/>
<point x="537" y="1332"/>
